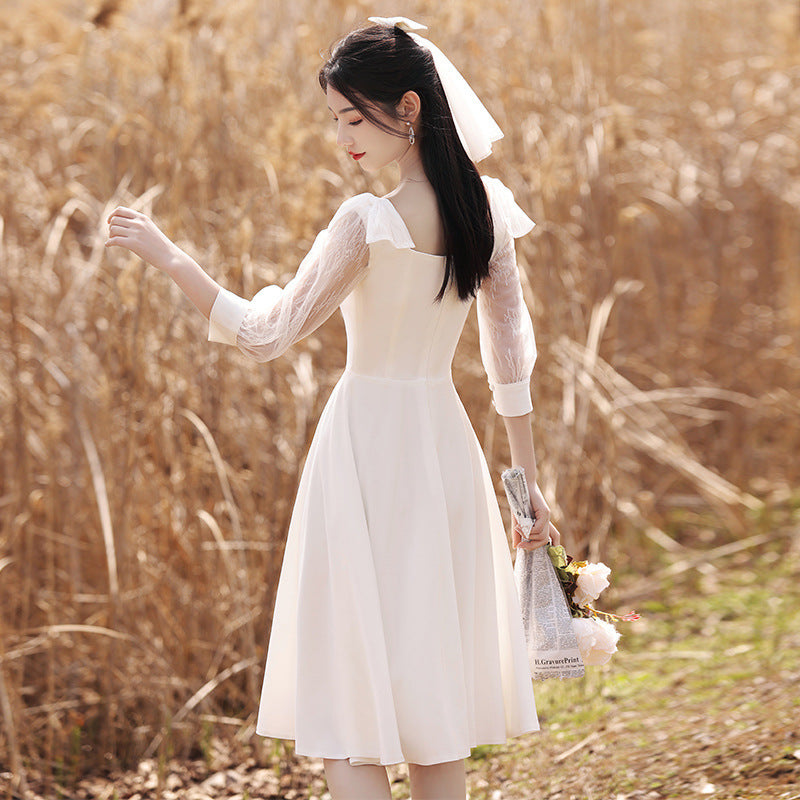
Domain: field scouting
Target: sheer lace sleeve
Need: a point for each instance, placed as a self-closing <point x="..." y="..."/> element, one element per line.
<point x="508" y="347"/>
<point x="276" y="318"/>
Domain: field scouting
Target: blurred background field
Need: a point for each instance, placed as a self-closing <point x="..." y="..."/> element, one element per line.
<point x="146" y="476"/>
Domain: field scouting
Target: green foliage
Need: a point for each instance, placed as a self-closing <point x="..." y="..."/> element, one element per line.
<point x="484" y="751"/>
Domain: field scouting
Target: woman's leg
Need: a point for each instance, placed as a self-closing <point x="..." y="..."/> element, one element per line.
<point x="364" y="782"/>
<point x="447" y="781"/>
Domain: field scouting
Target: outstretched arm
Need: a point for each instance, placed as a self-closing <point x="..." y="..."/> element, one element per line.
<point x="276" y="318"/>
<point x="139" y="234"/>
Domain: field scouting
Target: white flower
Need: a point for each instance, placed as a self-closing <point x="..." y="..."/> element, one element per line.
<point x="597" y="639"/>
<point x="592" y="579"/>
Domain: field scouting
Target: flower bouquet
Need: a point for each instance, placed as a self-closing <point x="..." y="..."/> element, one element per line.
<point x="562" y="630"/>
<point x="582" y="583"/>
<point x="546" y="618"/>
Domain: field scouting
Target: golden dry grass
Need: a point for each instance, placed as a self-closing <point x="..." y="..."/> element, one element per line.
<point x="147" y="477"/>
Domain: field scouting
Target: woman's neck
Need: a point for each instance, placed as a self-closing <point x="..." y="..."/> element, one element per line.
<point x="410" y="164"/>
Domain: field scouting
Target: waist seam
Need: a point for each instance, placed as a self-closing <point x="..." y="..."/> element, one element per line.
<point x="388" y="379"/>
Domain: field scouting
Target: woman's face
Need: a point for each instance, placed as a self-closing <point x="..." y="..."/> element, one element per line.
<point x="366" y="143"/>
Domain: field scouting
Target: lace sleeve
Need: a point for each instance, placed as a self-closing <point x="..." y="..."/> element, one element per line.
<point x="276" y="318"/>
<point x="508" y="347"/>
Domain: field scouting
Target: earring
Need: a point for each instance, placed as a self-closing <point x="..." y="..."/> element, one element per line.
<point x="411" y="135"/>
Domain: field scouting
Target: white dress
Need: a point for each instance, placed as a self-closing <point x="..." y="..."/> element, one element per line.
<point x="396" y="634"/>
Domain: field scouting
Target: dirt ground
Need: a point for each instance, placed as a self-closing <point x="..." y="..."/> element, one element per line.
<point x="742" y="743"/>
<point x="702" y="700"/>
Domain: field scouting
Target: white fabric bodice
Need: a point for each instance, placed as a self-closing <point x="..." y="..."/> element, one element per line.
<point x="395" y="329"/>
<point x="365" y="263"/>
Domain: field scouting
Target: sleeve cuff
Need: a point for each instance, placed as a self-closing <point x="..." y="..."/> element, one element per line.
<point x="512" y="399"/>
<point x="226" y="317"/>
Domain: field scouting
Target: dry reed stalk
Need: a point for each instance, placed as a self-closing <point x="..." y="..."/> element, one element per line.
<point x="240" y="576"/>
<point x="103" y="507"/>
<point x="591" y="351"/>
<point x="67" y="306"/>
<point x="17" y="769"/>
<point x="201" y="694"/>
<point x="236" y="578"/>
<point x="707" y="560"/>
<point x="216" y="532"/>
<point x="98" y="630"/>
<point x="643" y="434"/>
<point x="219" y="466"/>
<point x="57" y="231"/>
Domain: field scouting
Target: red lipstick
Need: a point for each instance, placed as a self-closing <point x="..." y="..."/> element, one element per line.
<point x="356" y="156"/>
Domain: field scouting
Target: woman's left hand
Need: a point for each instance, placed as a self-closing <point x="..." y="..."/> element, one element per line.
<point x="543" y="531"/>
<point x="534" y="541"/>
<point x="139" y="234"/>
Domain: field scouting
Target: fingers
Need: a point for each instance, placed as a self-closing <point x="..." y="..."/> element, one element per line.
<point x="121" y="224"/>
<point x="539" y="536"/>
<point x="540" y="523"/>
<point x="516" y="532"/>
<point x="532" y="544"/>
<point x="117" y="235"/>
<point x="533" y="541"/>
<point x="122" y="213"/>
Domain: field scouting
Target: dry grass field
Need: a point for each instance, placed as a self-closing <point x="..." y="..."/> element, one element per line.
<point x="147" y="477"/>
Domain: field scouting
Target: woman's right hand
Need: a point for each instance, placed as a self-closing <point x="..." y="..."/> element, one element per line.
<point x="139" y="234"/>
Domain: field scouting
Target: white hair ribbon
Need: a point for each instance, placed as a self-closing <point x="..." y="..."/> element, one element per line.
<point x="475" y="125"/>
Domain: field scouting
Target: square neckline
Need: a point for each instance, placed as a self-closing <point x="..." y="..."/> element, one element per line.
<point x="411" y="238"/>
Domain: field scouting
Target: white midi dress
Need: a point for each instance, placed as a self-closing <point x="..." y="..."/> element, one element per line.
<point x="396" y="634"/>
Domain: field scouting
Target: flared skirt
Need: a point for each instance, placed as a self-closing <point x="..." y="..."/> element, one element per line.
<point x="396" y="634"/>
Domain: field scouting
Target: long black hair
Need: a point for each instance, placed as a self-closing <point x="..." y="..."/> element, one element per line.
<point x="374" y="67"/>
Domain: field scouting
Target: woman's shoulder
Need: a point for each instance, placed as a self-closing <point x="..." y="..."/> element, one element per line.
<point x="379" y="219"/>
<point x="358" y="203"/>
<point x="509" y="218"/>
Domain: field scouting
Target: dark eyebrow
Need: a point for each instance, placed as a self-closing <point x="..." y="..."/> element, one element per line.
<point x="343" y="110"/>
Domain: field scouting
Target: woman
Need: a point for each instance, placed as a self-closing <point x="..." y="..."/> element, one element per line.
<point x="396" y="634"/>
